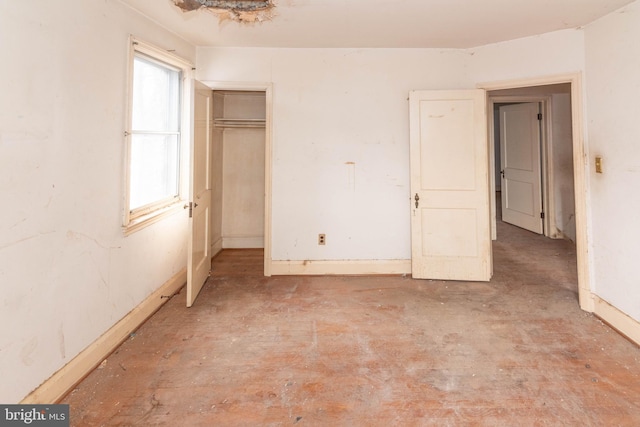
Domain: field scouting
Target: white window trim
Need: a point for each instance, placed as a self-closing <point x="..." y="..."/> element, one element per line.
<point x="172" y="205"/>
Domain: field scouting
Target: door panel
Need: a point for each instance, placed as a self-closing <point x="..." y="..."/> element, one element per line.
<point x="520" y="165"/>
<point x="449" y="232"/>
<point x="450" y="228"/>
<point x="199" y="256"/>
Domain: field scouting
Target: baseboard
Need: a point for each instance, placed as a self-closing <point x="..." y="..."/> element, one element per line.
<point x="63" y="381"/>
<point x="346" y="267"/>
<point x="245" y="242"/>
<point x="618" y="320"/>
<point x="216" y="247"/>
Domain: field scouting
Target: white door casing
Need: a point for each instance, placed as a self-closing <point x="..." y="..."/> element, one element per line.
<point x="520" y="166"/>
<point x="199" y="256"/>
<point x="450" y="215"/>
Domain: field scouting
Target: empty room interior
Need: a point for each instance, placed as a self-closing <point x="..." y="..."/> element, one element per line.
<point x="275" y="212"/>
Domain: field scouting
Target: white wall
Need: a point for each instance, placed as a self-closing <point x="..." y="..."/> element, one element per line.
<point x="216" y="165"/>
<point x="559" y="52"/>
<point x="243" y="188"/>
<point x="340" y="141"/>
<point x="562" y="163"/>
<point x="497" y="176"/>
<point x="67" y="273"/>
<point x="613" y="85"/>
<point x="340" y="131"/>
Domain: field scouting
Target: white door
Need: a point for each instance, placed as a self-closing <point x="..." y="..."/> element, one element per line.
<point x="520" y="166"/>
<point x="450" y="224"/>
<point x="199" y="249"/>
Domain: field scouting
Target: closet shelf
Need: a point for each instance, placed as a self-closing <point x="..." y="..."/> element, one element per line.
<point x="238" y="123"/>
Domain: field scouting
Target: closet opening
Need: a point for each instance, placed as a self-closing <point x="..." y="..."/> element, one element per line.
<point x="238" y="165"/>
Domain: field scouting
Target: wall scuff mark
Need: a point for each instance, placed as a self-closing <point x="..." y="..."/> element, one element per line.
<point x="236" y="10"/>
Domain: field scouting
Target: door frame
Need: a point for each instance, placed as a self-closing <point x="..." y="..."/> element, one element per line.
<point x="267" y="88"/>
<point x="546" y="183"/>
<point x="585" y="294"/>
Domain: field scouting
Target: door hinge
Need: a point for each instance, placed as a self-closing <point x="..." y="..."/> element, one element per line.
<point x="542" y="215"/>
<point x="539" y="116"/>
<point x="190" y="206"/>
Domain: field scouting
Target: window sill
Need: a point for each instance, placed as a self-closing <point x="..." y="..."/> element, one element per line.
<point x="151" y="218"/>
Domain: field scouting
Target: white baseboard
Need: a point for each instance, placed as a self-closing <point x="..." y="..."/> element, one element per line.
<point x="243" y="242"/>
<point x="216" y="247"/>
<point x="63" y="381"/>
<point x="346" y="267"/>
<point x="618" y="320"/>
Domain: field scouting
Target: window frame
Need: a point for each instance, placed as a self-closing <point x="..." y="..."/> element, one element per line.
<point x="135" y="219"/>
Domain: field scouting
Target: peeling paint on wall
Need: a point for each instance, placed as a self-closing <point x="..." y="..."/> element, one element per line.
<point x="236" y="10"/>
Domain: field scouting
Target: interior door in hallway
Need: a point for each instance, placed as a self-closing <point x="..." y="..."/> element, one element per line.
<point x="450" y="227"/>
<point x="199" y="249"/>
<point x="520" y="166"/>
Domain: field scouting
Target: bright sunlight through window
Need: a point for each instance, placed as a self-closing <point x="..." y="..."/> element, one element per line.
<point x="155" y="133"/>
<point x="154" y="136"/>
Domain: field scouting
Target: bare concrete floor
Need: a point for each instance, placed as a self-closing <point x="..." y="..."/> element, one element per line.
<point x="373" y="351"/>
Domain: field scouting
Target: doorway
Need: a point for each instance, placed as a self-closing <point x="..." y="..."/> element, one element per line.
<point x="241" y="163"/>
<point x="548" y="206"/>
<point x="555" y="171"/>
<point x="239" y="138"/>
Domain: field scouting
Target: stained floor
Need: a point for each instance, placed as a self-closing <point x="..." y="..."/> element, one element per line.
<point x="373" y="351"/>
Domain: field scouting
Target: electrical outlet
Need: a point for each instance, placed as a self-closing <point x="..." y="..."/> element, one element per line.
<point x="322" y="239"/>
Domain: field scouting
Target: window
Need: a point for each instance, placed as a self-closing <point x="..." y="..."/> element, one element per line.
<point x="155" y="133"/>
<point x="154" y="138"/>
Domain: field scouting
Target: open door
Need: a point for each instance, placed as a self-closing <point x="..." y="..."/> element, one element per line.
<point x="199" y="256"/>
<point x="520" y="166"/>
<point x="450" y="227"/>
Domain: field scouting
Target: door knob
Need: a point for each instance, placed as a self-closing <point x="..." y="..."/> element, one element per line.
<point x="417" y="199"/>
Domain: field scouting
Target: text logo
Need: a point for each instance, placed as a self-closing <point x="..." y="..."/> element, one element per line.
<point x="34" y="415"/>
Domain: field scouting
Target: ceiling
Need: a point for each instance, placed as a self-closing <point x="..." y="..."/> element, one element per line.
<point x="380" y="23"/>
